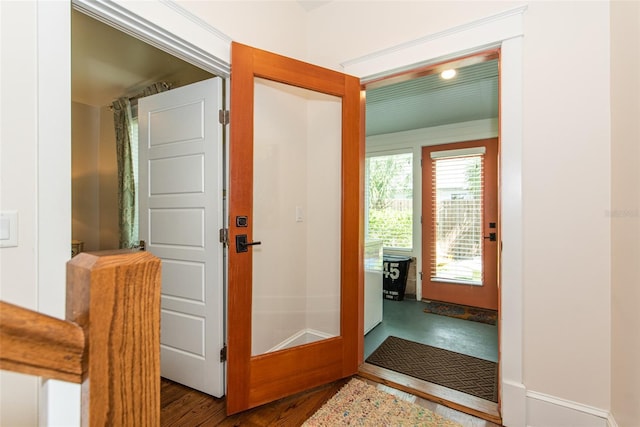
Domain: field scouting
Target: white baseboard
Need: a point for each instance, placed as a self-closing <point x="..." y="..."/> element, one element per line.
<point x="513" y="404"/>
<point x="544" y="410"/>
<point x="303" y="336"/>
<point x="611" y="422"/>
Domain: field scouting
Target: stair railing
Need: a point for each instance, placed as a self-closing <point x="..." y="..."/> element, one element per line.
<point x="109" y="342"/>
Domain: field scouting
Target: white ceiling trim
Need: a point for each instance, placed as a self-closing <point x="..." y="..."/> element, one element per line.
<point x="125" y="18"/>
<point x="487" y="32"/>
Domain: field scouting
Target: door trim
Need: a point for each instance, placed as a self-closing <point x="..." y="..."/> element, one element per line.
<point x="506" y="31"/>
<point x="130" y="22"/>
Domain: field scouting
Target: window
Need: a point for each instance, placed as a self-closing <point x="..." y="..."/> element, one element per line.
<point x="458" y="206"/>
<point x="389" y="199"/>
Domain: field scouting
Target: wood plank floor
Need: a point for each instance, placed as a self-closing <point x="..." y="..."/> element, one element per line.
<point x="182" y="406"/>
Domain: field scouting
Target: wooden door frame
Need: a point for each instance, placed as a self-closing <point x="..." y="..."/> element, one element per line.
<point x="345" y="351"/>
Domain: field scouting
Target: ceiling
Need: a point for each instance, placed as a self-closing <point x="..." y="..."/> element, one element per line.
<point x="432" y="101"/>
<point x="107" y="64"/>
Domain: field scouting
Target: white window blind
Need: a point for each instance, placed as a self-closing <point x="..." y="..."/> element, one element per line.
<point x="457" y="205"/>
<point x="389" y="199"/>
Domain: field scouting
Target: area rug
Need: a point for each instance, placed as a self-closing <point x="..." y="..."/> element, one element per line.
<point x="465" y="312"/>
<point x="361" y="404"/>
<point x="468" y="374"/>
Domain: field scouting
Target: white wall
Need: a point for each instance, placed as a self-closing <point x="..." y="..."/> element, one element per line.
<point x="18" y="186"/>
<point x="108" y="182"/>
<point x="94" y="175"/>
<point x="296" y="270"/>
<point x="566" y="190"/>
<point x="625" y="211"/>
<point x="85" y="178"/>
<point x="279" y="280"/>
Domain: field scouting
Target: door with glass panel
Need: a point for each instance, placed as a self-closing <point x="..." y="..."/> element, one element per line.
<point x="460" y="229"/>
<point x="295" y="232"/>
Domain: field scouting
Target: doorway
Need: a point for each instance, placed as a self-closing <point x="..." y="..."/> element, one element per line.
<point x="407" y="113"/>
<point x="108" y="64"/>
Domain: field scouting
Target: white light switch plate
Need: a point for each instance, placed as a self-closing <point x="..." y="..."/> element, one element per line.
<point x="8" y="229"/>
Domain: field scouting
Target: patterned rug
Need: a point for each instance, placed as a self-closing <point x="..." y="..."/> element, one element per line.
<point x="361" y="404"/>
<point x="474" y="314"/>
<point x="468" y="374"/>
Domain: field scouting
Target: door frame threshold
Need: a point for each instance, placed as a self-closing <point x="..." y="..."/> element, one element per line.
<point x="450" y="398"/>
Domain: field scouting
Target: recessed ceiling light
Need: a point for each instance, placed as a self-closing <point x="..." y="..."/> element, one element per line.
<point x="448" y="74"/>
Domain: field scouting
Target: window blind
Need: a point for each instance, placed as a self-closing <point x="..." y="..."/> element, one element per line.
<point x="457" y="204"/>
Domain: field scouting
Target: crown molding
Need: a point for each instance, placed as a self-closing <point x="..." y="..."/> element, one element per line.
<point x="128" y="21"/>
<point x="487" y="32"/>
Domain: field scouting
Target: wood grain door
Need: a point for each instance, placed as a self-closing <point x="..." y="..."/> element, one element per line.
<point x="461" y="238"/>
<point x="295" y="283"/>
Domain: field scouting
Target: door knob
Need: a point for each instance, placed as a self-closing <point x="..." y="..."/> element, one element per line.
<point x="242" y="245"/>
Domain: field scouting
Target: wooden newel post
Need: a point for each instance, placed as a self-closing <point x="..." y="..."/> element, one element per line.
<point x="115" y="298"/>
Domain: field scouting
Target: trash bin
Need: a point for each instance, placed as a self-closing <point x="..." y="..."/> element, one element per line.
<point x="395" y="271"/>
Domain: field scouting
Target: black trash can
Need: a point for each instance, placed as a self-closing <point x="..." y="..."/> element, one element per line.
<point x="395" y="272"/>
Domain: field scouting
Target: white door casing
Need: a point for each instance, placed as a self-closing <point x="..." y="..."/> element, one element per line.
<point x="181" y="211"/>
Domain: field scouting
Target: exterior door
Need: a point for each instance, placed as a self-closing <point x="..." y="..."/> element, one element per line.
<point x="461" y="233"/>
<point x="295" y="278"/>
<point x="181" y="179"/>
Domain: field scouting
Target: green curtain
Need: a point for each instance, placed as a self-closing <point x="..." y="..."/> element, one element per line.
<point x="127" y="201"/>
<point x="126" y="181"/>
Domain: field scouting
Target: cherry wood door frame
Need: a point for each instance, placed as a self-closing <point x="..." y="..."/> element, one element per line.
<point x="254" y="380"/>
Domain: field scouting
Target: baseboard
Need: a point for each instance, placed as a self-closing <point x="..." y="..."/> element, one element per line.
<point x="544" y="410"/>
<point x="303" y="336"/>
<point x="514" y="404"/>
<point x="611" y="422"/>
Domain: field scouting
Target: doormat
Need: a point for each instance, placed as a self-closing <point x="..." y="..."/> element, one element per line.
<point x="361" y="404"/>
<point x="467" y="374"/>
<point x="465" y="312"/>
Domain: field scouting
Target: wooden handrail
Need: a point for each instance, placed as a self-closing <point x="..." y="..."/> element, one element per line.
<point x="110" y="341"/>
<point x="37" y="344"/>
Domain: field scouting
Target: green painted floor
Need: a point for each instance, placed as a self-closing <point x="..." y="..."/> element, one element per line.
<point x="405" y="319"/>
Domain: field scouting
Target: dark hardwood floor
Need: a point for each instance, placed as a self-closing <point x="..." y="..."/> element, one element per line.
<point x="183" y="406"/>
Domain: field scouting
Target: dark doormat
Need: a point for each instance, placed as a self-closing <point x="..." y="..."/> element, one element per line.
<point x="467" y="374"/>
<point x="465" y="312"/>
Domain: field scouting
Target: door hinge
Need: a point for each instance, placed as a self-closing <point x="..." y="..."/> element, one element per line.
<point x="224" y="236"/>
<point x="223" y="117"/>
<point x="223" y="354"/>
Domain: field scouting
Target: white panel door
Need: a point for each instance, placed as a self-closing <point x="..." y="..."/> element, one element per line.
<point x="181" y="211"/>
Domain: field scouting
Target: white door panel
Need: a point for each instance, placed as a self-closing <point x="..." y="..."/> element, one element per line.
<point x="181" y="211"/>
<point x="192" y="181"/>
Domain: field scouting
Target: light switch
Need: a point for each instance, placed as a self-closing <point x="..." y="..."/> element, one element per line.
<point x="299" y="216"/>
<point x="8" y="229"/>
